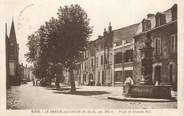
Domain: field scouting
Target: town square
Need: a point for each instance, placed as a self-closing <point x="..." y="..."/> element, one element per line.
<point x="90" y="55"/>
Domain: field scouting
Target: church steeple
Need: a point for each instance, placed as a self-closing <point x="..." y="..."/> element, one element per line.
<point x="12" y="32"/>
<point x="12" y="53"/>
<point x="110" y="27"/>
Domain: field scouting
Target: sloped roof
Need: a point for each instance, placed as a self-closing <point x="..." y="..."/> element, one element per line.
<point x="168" y="19"/>
<point x="125" y="33"/>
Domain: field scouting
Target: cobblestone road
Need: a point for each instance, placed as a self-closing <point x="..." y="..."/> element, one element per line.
<point x="33" y="97"/>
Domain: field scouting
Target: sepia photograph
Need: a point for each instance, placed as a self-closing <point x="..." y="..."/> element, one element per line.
<point x="91" y="54"/>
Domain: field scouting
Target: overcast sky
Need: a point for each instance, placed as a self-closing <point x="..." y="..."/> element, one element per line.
<point x="28" y="15"/>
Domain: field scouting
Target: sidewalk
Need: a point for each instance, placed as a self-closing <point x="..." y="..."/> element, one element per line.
<point x="128" y="98"/>
<point x="122" y="98"/>
<point x="115" y="93"/>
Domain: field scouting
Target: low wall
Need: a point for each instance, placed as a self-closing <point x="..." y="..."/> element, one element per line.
<point x="150" y="91"/>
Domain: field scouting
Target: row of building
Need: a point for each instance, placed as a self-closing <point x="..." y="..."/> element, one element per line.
<point x="117" y="54"/>
<point x="26" y="73"/>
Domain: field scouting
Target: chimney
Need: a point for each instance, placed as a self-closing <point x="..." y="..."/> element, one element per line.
<point x="105" y="32"/>
<point x="99" y="36"/>
<point x="149" y="15"/>
<point x="5" y="29"/>
<point x="110" y="27"/>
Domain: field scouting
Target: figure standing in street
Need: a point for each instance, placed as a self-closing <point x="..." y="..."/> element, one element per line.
<point x="33" y="82"/>
<point x="127" y="85"/>
<point x="129" y="80"/>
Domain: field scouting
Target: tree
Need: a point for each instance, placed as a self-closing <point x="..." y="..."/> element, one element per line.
<point x="42" y="51"/>
<point x="73" y="34"/>
<point x="54" y="58"/>
<point x="32" y="44"/>
<point x="37" y="45"/>
<point x="32" y="55"/>
<point x="61" y="41"/>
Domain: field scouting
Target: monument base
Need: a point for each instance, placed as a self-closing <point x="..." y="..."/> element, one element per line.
<point x="150" y="91"/>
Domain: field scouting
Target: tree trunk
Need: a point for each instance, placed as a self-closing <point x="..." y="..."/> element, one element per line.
<point x="58" y="70"/>
<point x="72" y="81"/>
<point x="50" y="81"/>
<point x="57" y="81"/>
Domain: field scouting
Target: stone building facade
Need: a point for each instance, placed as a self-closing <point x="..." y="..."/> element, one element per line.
<point x="123" y="47"/>
<point x="116" y="54"/>
<point x="96" y="62"/>
<point x="87" y="65"/>
<point x="103" y="54"/>
<point x="99" y="58"/>
<point x="161" y="30"/>
<point x="108" y="56"/>
<point x="26" y="73"/>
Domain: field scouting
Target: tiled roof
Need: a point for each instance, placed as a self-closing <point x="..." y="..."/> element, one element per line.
<point x="124" y="33"/>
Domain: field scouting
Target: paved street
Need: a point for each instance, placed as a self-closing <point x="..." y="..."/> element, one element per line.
<point x="34" y="97"/>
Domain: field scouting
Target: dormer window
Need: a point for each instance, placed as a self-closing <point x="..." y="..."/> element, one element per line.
<point x="127" y="41"/>
<point x="118" y="43"/>
<point x="160" y="19"/>
<point x="146" y="25"/>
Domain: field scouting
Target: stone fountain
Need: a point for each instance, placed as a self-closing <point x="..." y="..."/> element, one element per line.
<point x="146" y="88"/>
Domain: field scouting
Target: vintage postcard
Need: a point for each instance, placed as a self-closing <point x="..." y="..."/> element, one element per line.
<point x="91" y="57"/>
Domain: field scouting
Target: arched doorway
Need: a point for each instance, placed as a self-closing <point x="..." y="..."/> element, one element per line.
<point x="91" y="79"/>
<point x="172" y="75"/>
<point x="157" y="74"/>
